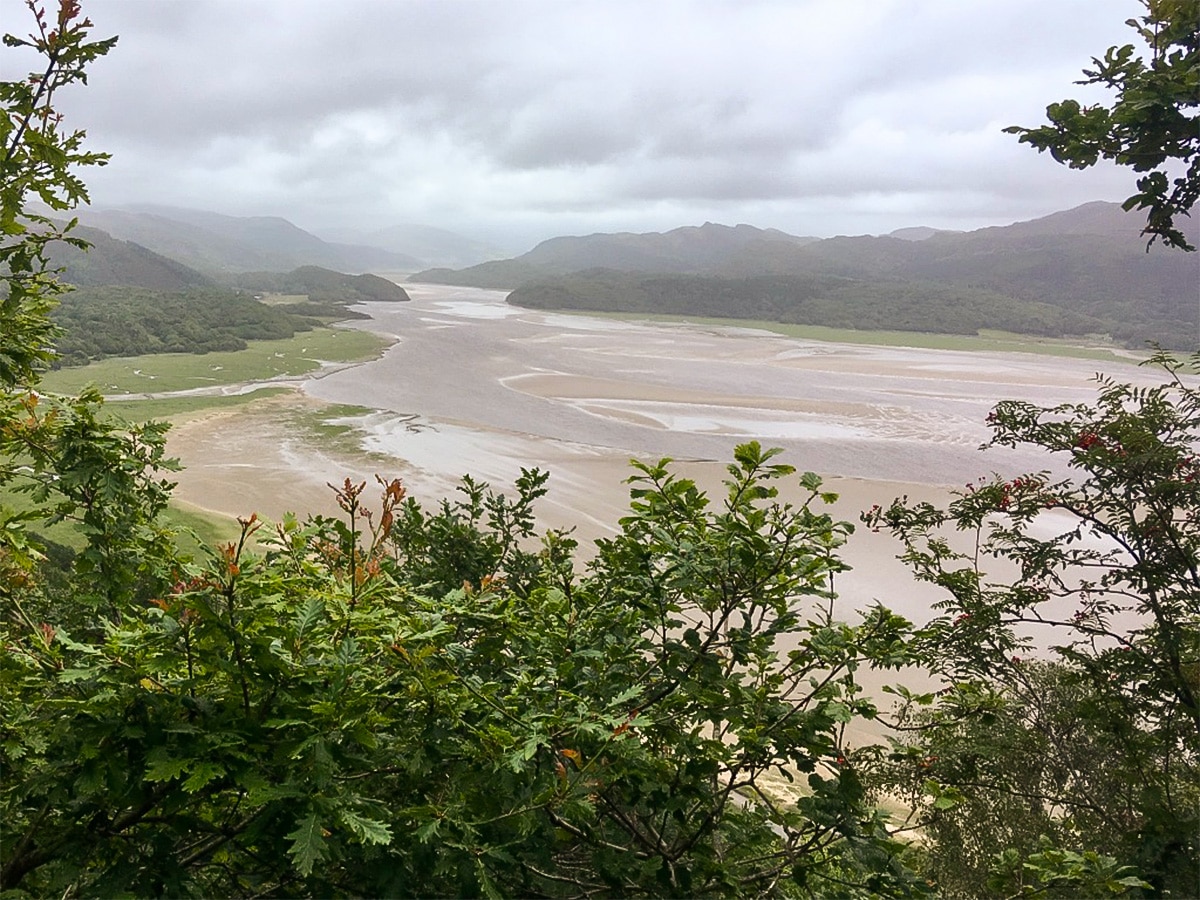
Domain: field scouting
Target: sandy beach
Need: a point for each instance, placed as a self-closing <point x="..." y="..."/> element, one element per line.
<point x="475" y="386"/>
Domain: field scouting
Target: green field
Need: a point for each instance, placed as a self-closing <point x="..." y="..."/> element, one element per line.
<point x="165" y="372"/>
<point x="137" y="411"/>
<point x="196" y="529"/>
<point x="990" y="341"/>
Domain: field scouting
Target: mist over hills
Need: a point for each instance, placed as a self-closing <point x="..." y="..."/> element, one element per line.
<point x="703" y="249"/>
<point x="218" y="244"/>
<point x="1079" y="272"/>
<point x="1076" y="272"/>
<point x="919" y="232"/>
<point x="1098" y="228"/>
<point x="111" y="261"/>
<point x="432" y="246"/>
<point x="688" y="249"/>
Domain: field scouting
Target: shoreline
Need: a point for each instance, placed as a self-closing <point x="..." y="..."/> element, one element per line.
<point x="471" y="385"/>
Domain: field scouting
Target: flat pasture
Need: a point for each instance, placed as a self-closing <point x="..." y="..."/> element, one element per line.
<point x="142" y="410"/>
<point x="296" y="356"/>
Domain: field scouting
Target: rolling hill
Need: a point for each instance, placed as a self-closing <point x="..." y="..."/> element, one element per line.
<point x="217" y="244"/>
<point x="117" y="262"/>
<point x="1087" y="268"/>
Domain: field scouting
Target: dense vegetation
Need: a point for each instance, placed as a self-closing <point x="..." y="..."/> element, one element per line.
<point x="124" y="321"/>
<point x="1078" y="272"/>
<point x="1099" y="745"/>
<point x="323" y="285"/>
<point x="123" y="317"/>
<point x="128" y="318"/>
<point x="413" y="701"/>
<point x="813" y="300"/>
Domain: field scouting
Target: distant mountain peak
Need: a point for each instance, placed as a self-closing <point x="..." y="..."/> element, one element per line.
<point x="219" y="244"/>
<point x="918" y="233"/>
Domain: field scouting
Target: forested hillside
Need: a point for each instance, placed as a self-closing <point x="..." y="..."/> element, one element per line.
<point x="112" y="261"/>
<point x="323" y="285"/>
<point x="122" y="321"/>
<point x="130" y="301"/>
<point x="218" y="244"/>
<point x="807" y="300"/>
<point x="1078" y="272"/>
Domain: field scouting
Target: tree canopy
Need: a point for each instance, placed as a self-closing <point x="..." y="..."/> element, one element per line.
<point x="410" y="700"/>
<point x="1152" y="126"/>
<point x="405" y="702"/>
<point x="1096" y="743"/>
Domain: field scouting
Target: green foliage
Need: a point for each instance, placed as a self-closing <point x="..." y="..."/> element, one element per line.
<point x="472" y="539"/>
<point x="124" y="321"/>
<point x="1052" y="872"/>
<point x="324" y="285"/>
<point x="38" y="158"/>
<point x="75" y="465"/>
<point x="349" y="713"/>
<point x="1151" y="124"/>
<point x="1100" y="746"/>
<point x="79" y="466"/>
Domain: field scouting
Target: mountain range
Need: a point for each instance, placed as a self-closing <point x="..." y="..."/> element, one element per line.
<point x="1095" y="234"/>
<point x="1082" y="271"/>
<point x="1085" y="270"/>
<point x="217" y="245"/>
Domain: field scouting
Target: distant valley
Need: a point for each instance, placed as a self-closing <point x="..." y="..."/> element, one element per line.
<point x="1081" y="273"/>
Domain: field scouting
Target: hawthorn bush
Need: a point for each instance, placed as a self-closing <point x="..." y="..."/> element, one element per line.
<point x="1097" y="745"/>
<point x="400" y="702"/>
<point x="412" y="702"/>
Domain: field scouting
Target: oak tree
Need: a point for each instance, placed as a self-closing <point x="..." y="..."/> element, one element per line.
<point x="1153" y="123"/>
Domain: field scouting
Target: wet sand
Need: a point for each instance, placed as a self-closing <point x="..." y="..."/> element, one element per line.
<point x="475" y="386"/>
<point x="692" y="392"/>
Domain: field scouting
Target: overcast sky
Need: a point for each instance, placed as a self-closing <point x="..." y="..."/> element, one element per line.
<point x="516" y="120"/>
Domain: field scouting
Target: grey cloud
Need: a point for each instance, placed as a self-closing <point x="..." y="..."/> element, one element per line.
<point x="555" y="115"/>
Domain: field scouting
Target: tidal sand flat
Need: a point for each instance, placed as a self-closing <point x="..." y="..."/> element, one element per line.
<point x="692" y="392"/>
<point x="475" y="386"/>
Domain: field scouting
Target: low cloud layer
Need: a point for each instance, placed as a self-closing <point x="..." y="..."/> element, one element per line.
<point x="517" y="120"/>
